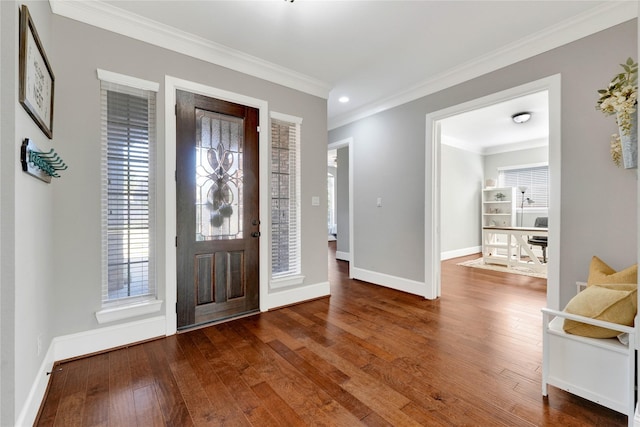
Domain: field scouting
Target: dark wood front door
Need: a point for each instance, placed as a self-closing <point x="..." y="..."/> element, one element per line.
<point x="217" y="209"/>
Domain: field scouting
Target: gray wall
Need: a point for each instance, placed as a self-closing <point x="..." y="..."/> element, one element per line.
<point x="27" y="238"/>
<point x="462" y="175"/>
<point x="51" y="239"/>
<point x="516" y="158"/>
<point x="50" y="234"/>
<point x="81" y="49"/>
<point x="389" y="159"/>
<point x="388" y="162"/>
<point x="342" y="196"/>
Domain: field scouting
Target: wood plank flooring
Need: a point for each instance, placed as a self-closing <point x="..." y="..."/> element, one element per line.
<point x="367" y="355"/>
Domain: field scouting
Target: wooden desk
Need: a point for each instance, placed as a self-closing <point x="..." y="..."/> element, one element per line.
<point x="508" y="245"/>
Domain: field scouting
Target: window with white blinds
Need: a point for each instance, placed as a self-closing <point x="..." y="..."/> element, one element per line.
<point x="285" y="196"/>
<point x="535" y="178"/>
<point x="128" y="193"/>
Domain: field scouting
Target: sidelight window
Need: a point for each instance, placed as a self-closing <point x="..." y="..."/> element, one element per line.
<point x="128" y="189"/>
<point x="285" y="197"/>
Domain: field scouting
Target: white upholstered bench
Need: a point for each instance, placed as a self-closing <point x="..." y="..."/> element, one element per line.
<point x="601" y="370"/>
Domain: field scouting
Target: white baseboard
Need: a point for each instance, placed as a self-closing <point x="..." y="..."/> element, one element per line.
<point x="31" y="406"/>
<point x="101" y="339"/>
<point x="83" y="343"/>
<point x="296" y="295"/>
<point x="343" y="256"/>
<point x="460" y="252"/>
<point x="393" y="282"/>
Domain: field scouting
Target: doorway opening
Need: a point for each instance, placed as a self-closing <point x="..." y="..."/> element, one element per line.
<point x="332" y="190"/>
<point x="435" y="136"/>
<point x="169" y="273"/>
<point x="484" y="154"/>
<point x="343" y="191"/>
<point x="218" y="216"/>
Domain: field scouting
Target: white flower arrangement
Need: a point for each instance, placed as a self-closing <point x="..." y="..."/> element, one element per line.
<point x="621" y="98"/>
<point x="616" y="149"/>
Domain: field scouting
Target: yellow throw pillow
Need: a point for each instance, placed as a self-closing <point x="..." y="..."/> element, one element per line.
<point x="600" y="273"/>
<point x="615" y="303"/>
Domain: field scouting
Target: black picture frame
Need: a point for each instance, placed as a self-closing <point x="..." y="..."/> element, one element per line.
<point x="36" y="77"/>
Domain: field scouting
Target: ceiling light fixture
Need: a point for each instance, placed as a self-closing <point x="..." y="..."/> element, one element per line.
<point x="343" y="99"/>
<point x="523" y="117"/>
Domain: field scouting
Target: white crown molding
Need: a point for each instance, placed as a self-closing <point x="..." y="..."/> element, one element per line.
<point x="595" y="20"/>
<point x="523" y="145"/>
<point x="494" y="149"/>
<point x="111" y="18"/>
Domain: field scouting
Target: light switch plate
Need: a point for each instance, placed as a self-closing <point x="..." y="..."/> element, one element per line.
<point x="315" y="201"/>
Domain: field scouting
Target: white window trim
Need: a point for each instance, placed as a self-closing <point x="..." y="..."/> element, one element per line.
<point x="285" y="282"/>
<point x="147" y="305"/>
<point x="286" y="118"/>
<point x="121" y="79"/>
<point x="113" y="314"/>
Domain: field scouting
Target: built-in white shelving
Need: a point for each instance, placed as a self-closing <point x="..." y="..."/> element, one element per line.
<point x="498" y="210"/>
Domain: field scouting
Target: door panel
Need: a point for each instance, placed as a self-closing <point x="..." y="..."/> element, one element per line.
<point x="217" y="199"/>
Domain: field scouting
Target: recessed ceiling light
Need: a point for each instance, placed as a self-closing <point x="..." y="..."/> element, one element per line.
<point x="343" y="99"/>
<point x="521" y="117"/>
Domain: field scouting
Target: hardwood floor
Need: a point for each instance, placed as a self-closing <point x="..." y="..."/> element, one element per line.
<point x="367" y="355"/>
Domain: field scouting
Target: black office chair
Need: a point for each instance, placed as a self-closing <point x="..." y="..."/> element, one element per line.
<point x="541" y="241"/>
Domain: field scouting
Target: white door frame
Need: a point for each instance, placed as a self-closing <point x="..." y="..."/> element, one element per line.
<point x="348" y="142"/>
<point x="432" y="189"/>
<point x="171" y="284"/>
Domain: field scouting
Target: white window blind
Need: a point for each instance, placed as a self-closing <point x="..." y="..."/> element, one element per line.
<point x="536" y="179"/>
<point x="128" y="193"/>
<point x="285" y="196"/>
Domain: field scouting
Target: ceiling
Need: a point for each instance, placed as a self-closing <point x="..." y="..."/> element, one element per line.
<point x="491" y="130"/>
<point x="378" y="53"/>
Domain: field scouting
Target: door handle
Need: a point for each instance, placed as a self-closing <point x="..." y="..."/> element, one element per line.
<point x="255" y="234"/>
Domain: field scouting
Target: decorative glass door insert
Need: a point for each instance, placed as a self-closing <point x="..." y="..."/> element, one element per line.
<point x="219" y="174"/>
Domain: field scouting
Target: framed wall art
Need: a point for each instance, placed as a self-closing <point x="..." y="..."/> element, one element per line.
<point x="36" y="76"/>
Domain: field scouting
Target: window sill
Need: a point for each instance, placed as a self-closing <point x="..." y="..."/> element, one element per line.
<point x="124" y="312"/>
<point x="285" y="282"/>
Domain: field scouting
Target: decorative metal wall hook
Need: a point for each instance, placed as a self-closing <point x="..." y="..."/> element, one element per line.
<point x="42" y="165"/>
